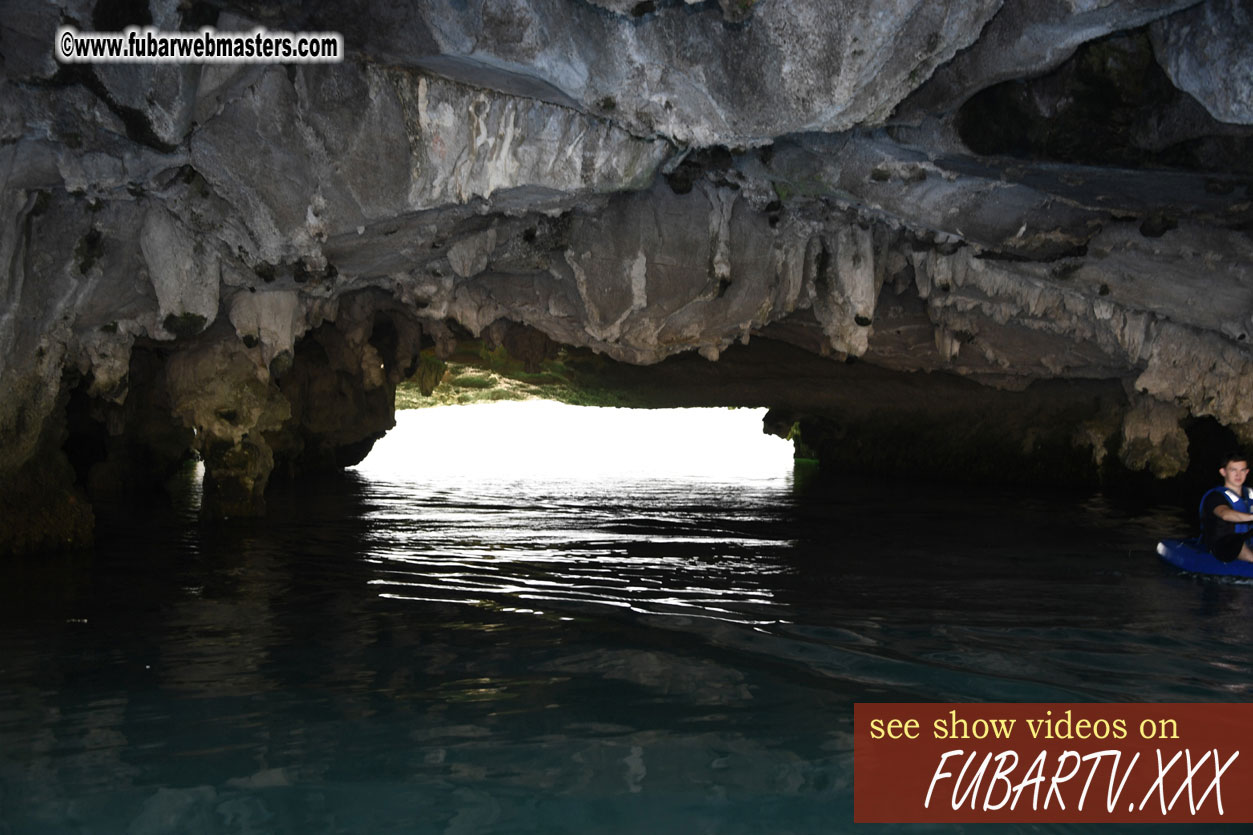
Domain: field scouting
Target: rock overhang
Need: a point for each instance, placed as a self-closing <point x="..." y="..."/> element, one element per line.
<point x="691" y="178"/>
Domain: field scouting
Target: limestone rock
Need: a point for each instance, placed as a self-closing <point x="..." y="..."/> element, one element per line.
<point x="1206" y="52"/>
<point x="343" y="149"/>
<point x="1153" y="439"/>
<point x="184" y="276"/>
<point x="274" y="319"/>
<point x="469" y="256"/>
<point x="159" y="98"/>
<point x="689" y="74"/>
<point x="1026" y="38"/>
<point x="972" y="223"/>
<point x="217" y="391"/>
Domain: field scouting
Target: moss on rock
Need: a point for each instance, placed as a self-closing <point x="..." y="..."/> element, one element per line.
<point x="478" y="373"/>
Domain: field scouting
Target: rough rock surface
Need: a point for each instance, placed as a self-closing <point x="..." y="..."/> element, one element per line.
<point x="1007" y="228"/>
<point x="1209" y="35"/>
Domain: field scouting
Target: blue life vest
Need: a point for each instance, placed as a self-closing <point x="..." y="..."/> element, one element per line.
<point x="1242" y="502"/>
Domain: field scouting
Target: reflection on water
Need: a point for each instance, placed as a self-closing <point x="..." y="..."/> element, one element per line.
<point x="400" y="652"/>
<point x="580" y="549"/>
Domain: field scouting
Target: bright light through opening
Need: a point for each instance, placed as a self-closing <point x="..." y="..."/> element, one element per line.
<point x="542" y="439"/>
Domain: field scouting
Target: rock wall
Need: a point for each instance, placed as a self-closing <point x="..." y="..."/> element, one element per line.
<point x="242" y="261"/>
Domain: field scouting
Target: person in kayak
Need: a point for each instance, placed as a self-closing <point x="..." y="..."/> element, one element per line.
<point x="1227" y="512"/>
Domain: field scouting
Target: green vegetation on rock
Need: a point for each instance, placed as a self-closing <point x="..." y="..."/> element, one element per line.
<point x="479" y="374"/>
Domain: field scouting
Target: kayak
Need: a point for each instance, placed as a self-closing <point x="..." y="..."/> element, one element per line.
<point x="1188" y="555"/>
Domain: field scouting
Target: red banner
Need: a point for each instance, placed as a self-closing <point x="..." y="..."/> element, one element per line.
<point x="1052" y="763"/>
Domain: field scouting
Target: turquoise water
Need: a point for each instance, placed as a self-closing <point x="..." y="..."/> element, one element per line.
<point x="469" y="655"/>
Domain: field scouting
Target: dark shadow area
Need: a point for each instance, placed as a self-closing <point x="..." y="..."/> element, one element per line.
<point x="1110" y="104"/>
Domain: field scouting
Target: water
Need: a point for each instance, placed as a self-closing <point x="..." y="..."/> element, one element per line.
<point x="403" y="651"/>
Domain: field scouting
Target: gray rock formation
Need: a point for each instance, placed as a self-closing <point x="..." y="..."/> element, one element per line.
<point x="996" y="226"/>
<point x="1209" y="35"/>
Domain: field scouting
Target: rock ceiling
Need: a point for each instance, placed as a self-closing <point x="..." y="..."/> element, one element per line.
<point x="245" y="259"/>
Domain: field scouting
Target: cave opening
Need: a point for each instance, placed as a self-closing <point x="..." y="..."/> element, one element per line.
<point x="568" y="416"/>
<point x="537" y="439"/>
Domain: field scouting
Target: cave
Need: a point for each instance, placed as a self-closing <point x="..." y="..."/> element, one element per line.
<point x="982" y="255"/>
<point x="995" y="252"/>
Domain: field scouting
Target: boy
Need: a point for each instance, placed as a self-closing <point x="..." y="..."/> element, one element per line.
<point x="1227" y="512"/>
